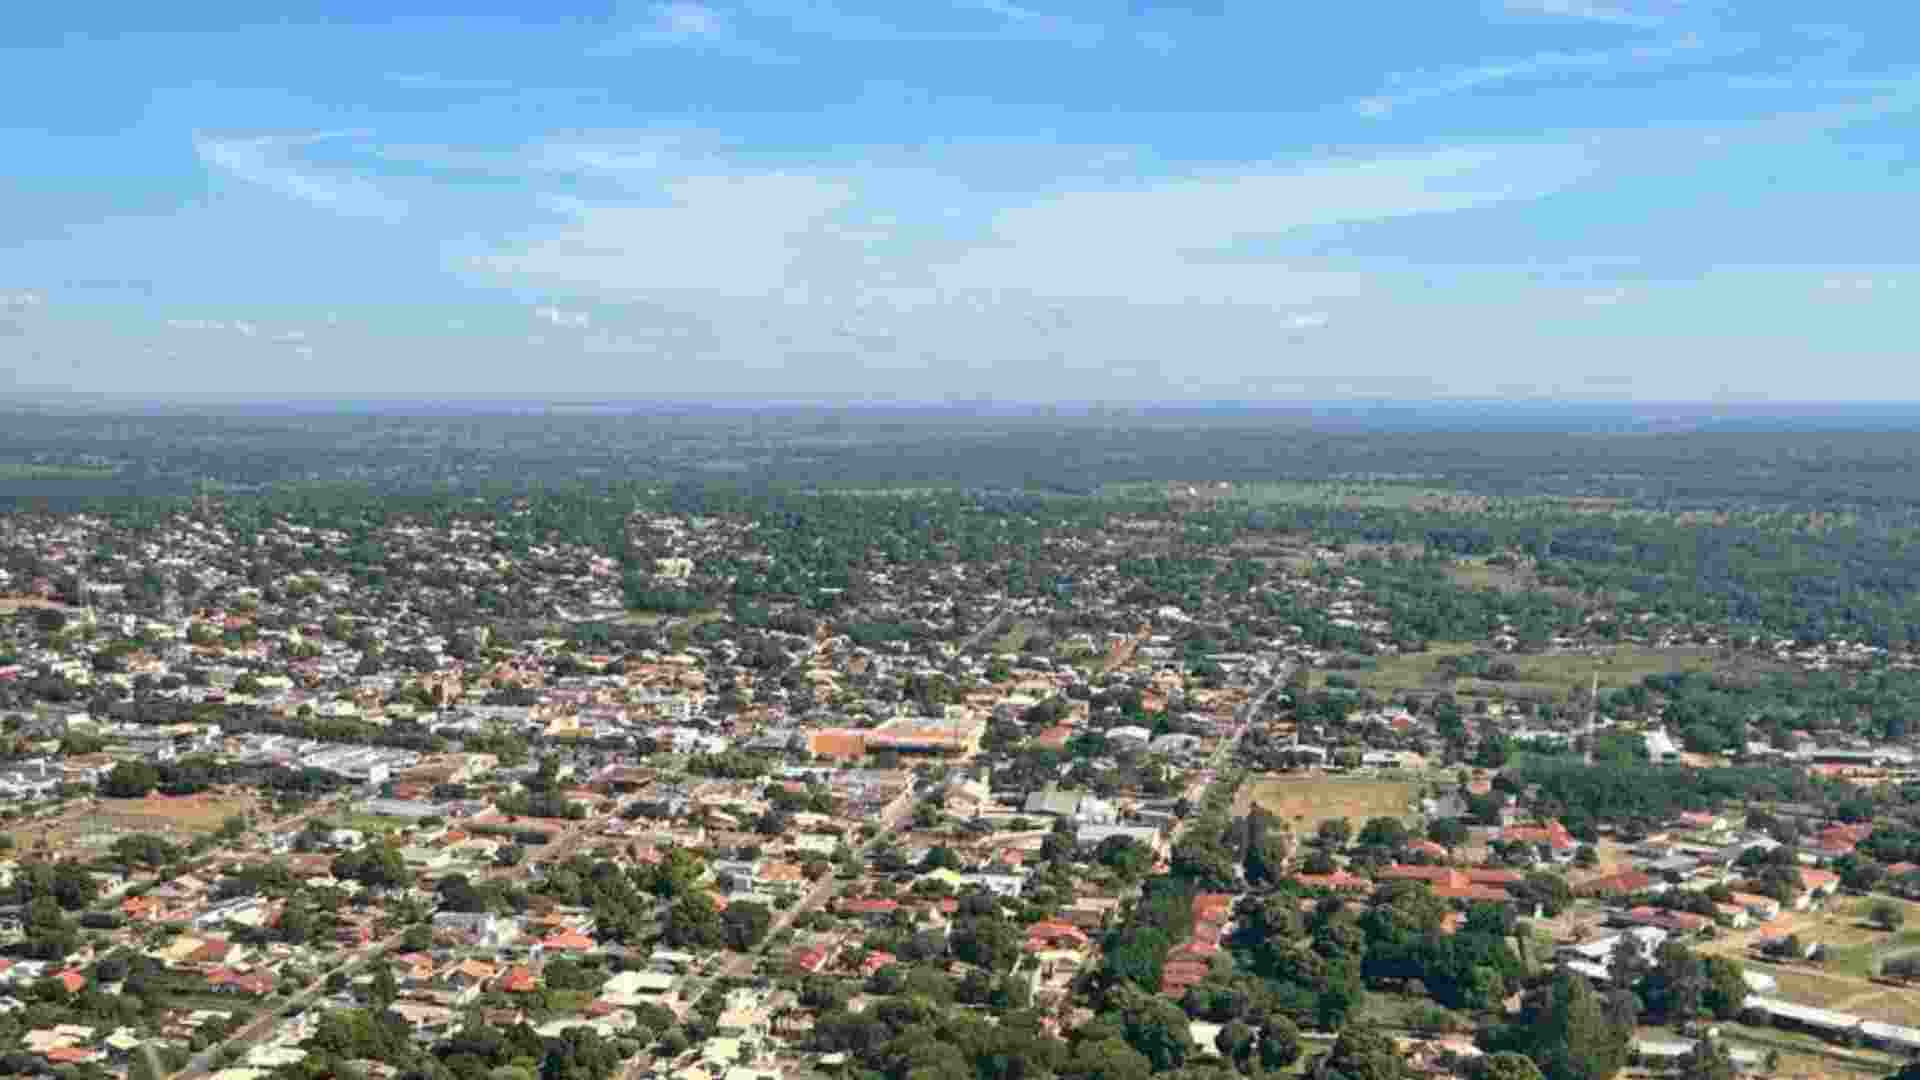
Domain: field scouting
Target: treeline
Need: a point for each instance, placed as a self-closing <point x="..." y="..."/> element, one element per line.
<point x="1633" y="791"/>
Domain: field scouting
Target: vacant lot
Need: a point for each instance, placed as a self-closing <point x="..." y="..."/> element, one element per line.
<point x="188" y="813"/>
<point x="1305" y="800"/>
<point x="91" y="825"/>
<point x="1549" y="676"/>
<point x="1015" y="639"/>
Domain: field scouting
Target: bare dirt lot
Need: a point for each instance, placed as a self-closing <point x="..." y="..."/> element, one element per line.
<point x="1304" y="800"/>
<point x="94" y="823"/>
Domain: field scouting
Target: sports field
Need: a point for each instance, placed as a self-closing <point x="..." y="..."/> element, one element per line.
<point x="1304" y="800"/>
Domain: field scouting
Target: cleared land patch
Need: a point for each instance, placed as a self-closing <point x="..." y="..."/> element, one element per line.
<point x="1548" y="676"/>
<point x="1305" y="800"/>
<point x="97" y="823"/>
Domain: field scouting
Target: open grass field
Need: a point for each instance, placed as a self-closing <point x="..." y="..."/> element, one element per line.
<point x="1804" y="1055"/>
<point x="372" y="824"/>
<point x="90" y="825"/>
<point x="1542" y="676"/>
<point x="1305" y="800"/>
<point x="194" y="813"/>
<point x="28" y="470"/>
<point x="1479" y="574"/>
<point x="1016" y="635"/>
<point x="1854" y="951"/>
<point x="655" y="618"/>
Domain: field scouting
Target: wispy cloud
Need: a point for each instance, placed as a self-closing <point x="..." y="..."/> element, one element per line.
<point x="1030" y="21"/>
<point x="428" y="80"/>
<point x="20" y="301"/>
<point x="685" y="24"/>
<point x="1859" y="284"/>
<point x="1414" y="89"/>
<point x="930" y="23"/>
<point x="244" y="329"/>
<point x="272" y="162"/>
<point x="569" y="320"/>
<point x="1642" y="15"/>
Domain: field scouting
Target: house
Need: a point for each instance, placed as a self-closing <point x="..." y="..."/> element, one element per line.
<point x="467" y="977"/>
<point x="478" y="928"/>
<point x="1549" y="836"/>
<point x="1762" y="908"/>
<point x="520" y="979"/>
<point x="1053" y="802"/>
<point x="1819" y="884"/>
<point x="874" y="911"/>
<point x="1678" y="922"/>
<point x="1052" y="934"/>
<point x="567" y="941"/>
<point x="630" y="988"/>
<point x="1624" y="883"/>
<point x="1734" y="916"/>
<point x="810" y="960"/>
<point x="250" y="983"/>
<point x="1337" y="881"/>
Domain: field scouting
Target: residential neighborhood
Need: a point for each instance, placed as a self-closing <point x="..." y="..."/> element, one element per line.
<point x="284" y="799"/>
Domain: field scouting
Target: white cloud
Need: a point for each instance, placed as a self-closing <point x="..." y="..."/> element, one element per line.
<point x="1611" y="298"/>
<point x="271" y="162"/>
<point x="726" y="234"/>
<point x="1859" y="284"/>
<point x="18" y="301"/>
<point x="1017" y="22"/>
<point x="1180" y="241"/>
<point x="1028" y="20"/>
<point x="684" y="24"/>
<point x="1413" y="89"/>
<point x="1642" y="15"/>
<point x="427" y="80"/>
<point x="844" y="272"/>
<point x="572" y="320"/>
<point x="244" y="329"/>
<point x="688" y="20"/>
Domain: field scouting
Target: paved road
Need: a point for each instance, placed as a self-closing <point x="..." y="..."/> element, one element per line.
<point x="1243" y="720"/>
<point x="992" y="625"/>
<point x="205" y="1061"/>
<point x="822" y="893"/>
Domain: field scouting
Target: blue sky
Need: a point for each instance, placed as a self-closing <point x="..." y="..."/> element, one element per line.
<point x="1121" y="199"/>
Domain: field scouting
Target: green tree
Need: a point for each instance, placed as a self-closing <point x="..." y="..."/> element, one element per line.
<point x="1708" y="1060"/>
<point x="1565" y="1029"/>
<point x="1507" y="1065"/>
<point x="1279" y="1043"/>
<point x="1726" y="989"/>
<point x="745" y="924"/>
<point x="1235" y="1043"/>
<point x="693" y="922"/>
<point x="130" y="780"/>
<point x="1362" y="1052"/>
<point x="1887" y="915"/>
<point x="384" y="989"/>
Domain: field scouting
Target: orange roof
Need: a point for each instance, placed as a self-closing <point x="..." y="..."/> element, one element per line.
<point x="838" y="743"/>
<point x="519" y="981"/>
<point x="569" y="941"/>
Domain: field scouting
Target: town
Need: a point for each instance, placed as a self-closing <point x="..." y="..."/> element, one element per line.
<point x="917" y="785"/>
